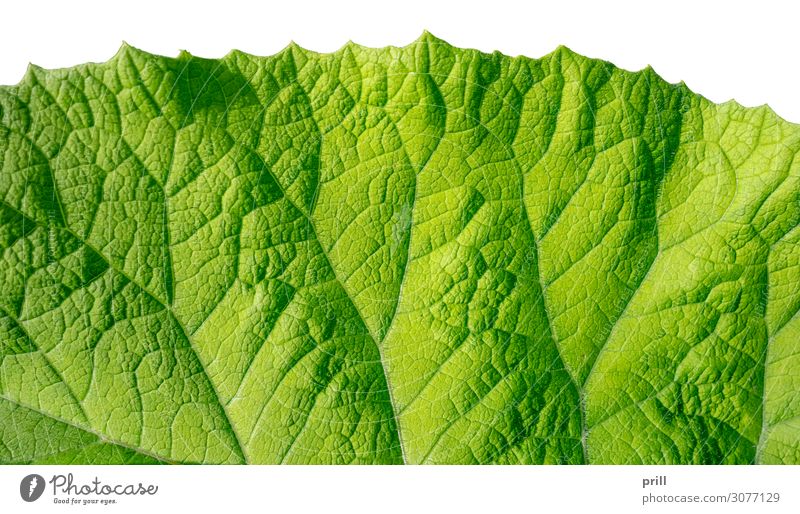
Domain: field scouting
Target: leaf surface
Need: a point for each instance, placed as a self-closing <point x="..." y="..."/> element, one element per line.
<point x="423" y="254"/>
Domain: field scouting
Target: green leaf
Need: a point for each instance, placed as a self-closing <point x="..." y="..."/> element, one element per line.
<point x="421" y="254"/>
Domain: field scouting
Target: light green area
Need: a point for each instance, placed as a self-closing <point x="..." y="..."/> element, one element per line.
<point x="421" y="254"/>
<point x="32" y="437"/>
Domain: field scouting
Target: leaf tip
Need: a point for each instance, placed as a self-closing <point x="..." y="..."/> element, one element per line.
<point x="124" y="49"/>
<point x="232" y="54"/>
<point x="428" y="37"/>
<point x="564" y="50"/>
<point x="31" y="71"/>
<point x="294" y="46"/>
<point x="127" y="49"/>
<point x="348" y="45"/>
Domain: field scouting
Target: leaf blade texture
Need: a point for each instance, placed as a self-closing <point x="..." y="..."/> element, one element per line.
<point x="403" y="255"/>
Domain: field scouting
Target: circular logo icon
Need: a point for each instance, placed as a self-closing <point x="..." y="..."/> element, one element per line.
<point x="31" y="487"/>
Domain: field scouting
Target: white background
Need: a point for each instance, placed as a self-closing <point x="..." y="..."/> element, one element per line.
<point x="749" y="51"/>
<point x="725" y="50"/>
